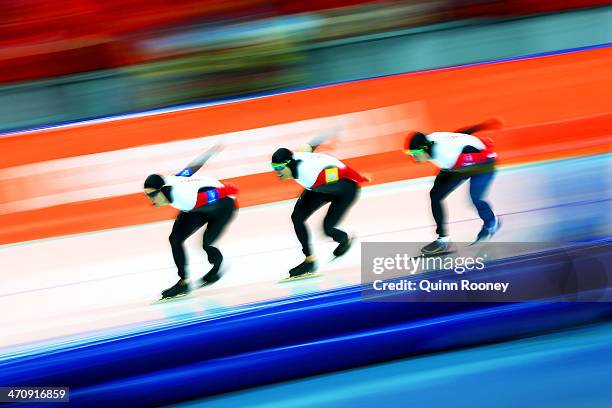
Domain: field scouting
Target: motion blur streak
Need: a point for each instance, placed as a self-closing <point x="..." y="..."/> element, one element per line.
<point x="95" y="95"/>
<point x="583" y="354"/>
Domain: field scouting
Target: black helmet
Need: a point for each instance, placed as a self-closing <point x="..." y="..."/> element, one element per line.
<point x="282" y="155"/>
<point x="154" y="181"/>
<point x="418" y="140"/>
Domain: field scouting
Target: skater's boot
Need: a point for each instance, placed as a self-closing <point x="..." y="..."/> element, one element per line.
<point x="487" y="232"/>
<point x="181" y="288"/>
<point x="439" y="246"/>
<point x="211" y="277"/>
<point x="303" y="269"/>
<point x="343" y="247"/>
<point x="214" y="257"/>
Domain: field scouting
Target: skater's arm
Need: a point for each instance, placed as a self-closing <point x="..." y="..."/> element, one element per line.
<point x="197" y="163"/>
<point x="468" y="130"/>
<point x="319" y="140"/>
<point x="488" y="124"/>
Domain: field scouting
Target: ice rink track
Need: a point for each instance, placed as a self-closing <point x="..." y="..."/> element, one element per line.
<point x="98" y="285"/>
<point x="513" y="372"/>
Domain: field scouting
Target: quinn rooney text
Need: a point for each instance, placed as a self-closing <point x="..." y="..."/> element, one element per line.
<point x="439" y="285"/>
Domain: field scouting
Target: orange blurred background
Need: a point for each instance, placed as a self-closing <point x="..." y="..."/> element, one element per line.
<point x="88" y="176"/>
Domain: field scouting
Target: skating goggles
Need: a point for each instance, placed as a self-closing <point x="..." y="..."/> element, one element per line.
<point x="414" y="152"/>
<point x="279" y="166"/>
<point x="153" y="193"/>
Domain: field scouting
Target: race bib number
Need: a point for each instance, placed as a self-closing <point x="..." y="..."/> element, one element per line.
<point x="185" y="173"/>
<point x="213" y="195"/>
<point x="331" y="175"/>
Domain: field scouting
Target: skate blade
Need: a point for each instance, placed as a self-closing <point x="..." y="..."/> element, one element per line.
<point x="206" y="285"/>
<point x="444" y="253"/>
<point x="301" y="277"/>
<point x="482" y="240"/>
<point x="173" y="299"/>
<point x="334" y="258"/>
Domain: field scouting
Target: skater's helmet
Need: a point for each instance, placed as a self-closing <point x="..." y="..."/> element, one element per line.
<point x="415" y="143"/>
<point x="157" y="184"/>
<point x="154" y="181"/>
<point x="281" y="158"/>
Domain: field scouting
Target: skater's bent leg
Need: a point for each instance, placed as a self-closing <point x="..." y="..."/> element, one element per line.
<point x="306" y="205"/>
<point x="478" y="186"/>
<point x="302" y="233"/>
<point x="184" y="226"/>
<point x="444" y="184"/>
<point x="345" y="198"/>
<point x="217" y="222"/>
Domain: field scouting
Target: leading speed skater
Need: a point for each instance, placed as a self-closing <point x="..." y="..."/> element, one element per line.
<point x="201" y="200"/>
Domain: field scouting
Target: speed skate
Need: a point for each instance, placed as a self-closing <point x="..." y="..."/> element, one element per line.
<point x="176" y="298"/>
<point x="309" y="275"/>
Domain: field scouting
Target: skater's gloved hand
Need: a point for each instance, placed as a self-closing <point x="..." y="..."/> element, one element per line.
<point x="327" y="136"/>
<point x="305" y="148"/>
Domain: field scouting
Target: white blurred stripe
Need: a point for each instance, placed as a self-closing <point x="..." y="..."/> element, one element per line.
<point x="121" y="172"/>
